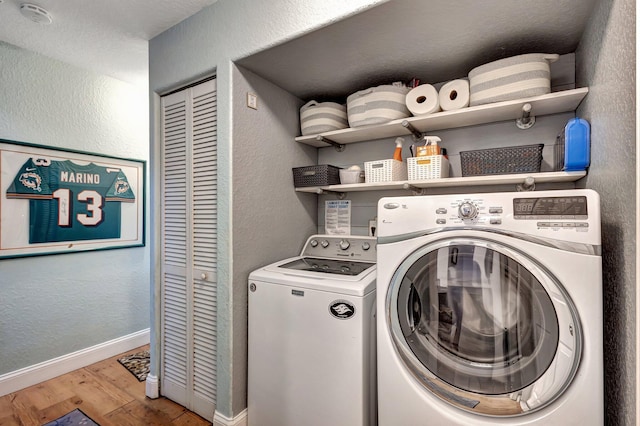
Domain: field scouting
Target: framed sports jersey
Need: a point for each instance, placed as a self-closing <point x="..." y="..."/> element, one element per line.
<point x="61" y="201"/>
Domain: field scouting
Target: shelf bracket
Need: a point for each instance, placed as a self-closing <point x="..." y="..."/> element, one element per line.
<point x="417" y="135"/>
<point x="529" y="184"/>
<point x="527" y="120"/>
<point x="338" y="146"/>
<point x="340" y="195"/>
<point x="415" y="189"/>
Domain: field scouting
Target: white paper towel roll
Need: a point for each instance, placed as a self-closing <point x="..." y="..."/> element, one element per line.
<point x="423" y="100"/>
<point x="454" y="95"/>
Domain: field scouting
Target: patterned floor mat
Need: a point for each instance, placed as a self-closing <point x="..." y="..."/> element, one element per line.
<point x="137" y="364"/>
<point x="74" y="418"/>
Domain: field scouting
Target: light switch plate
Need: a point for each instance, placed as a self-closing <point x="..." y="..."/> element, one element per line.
<point x="252" y="100"/>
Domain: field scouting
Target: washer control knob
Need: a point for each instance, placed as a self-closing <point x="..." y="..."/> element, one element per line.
<point x="314" y="243"/>
<point x="344" y="244"/>
<point x="467" y="210"/>
<point x="366" y="246"/>
<point x="324" y="243"/>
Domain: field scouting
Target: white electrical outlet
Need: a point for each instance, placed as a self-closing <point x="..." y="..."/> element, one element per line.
<point x="252" y="100"/>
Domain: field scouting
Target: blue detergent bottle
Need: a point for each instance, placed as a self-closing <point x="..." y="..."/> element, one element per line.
<point x="575" y="146"/>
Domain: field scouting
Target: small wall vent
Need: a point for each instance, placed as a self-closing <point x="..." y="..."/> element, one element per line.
<point x="35" y="13"/>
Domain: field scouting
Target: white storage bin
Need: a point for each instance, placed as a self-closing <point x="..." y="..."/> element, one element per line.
<point x="384" y="171"/>
<point x="428" y="167"/>
<point x="377" y="105"/>
<point x="322" y="117"/>
<point x="511" y="78"/>
<point x="351" y="176"/>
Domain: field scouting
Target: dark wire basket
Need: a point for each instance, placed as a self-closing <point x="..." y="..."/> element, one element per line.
<point x="498" y="161"/>
<point x="320" y="175"/>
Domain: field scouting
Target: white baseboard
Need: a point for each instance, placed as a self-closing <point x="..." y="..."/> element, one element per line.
<point x="152" y="386"/>
<point x="222" y="420"/>
<point x="37" y="373"/>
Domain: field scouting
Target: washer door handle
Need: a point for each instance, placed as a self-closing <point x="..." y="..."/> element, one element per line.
<point x="414" y="308"/>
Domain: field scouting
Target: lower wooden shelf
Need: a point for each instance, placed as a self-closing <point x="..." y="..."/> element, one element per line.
<point x="514" y="179"/>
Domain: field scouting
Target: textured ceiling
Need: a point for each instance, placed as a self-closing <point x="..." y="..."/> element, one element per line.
<point x="109" y="36"/>
<point x="435" y="41"/>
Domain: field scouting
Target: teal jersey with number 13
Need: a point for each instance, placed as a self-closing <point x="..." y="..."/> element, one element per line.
<point x="70" y="202"/>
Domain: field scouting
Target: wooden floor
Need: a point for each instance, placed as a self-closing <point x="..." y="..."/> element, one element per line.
<point x="106" y="391"/>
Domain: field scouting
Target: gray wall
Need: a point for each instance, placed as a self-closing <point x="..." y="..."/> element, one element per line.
<point x="269" y="223"/>
<point x="209" y="42"/>
<point x="606" y="59"/>
<point x="55" y="305"/>
<point x="494" y="135"/>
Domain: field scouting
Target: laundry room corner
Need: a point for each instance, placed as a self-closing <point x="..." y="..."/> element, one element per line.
<point x="264" y="80"/>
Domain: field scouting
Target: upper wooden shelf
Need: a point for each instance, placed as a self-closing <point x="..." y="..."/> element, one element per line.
<point x="552" y="103"/>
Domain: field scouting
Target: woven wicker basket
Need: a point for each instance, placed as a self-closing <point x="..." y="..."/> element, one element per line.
<point x="320" y="175"/>
<point x="498" y="161"/>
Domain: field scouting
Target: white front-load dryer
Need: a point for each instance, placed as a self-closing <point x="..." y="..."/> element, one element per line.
<point x="490" y="309"/>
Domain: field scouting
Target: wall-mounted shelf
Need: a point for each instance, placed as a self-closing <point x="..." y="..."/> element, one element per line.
<point x="552" y="103"/>
<point x="514" y="179"/>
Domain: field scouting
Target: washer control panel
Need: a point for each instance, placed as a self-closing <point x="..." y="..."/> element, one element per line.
<point x="340" y="247"/>
<point x="547" y="212"/>
<point x="468" y="211"/>
<point x="567" y="215"/>
<point x="550" y="208"/>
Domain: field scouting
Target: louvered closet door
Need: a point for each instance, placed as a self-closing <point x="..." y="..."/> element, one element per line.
<point x="189" y="248"/>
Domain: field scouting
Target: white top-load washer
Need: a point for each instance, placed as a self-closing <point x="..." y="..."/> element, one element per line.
<point x="312" y="336"/>
<point x="490" y="309"/>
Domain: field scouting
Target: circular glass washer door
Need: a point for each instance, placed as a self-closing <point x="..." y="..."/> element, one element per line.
<point x="483" y="326"/>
